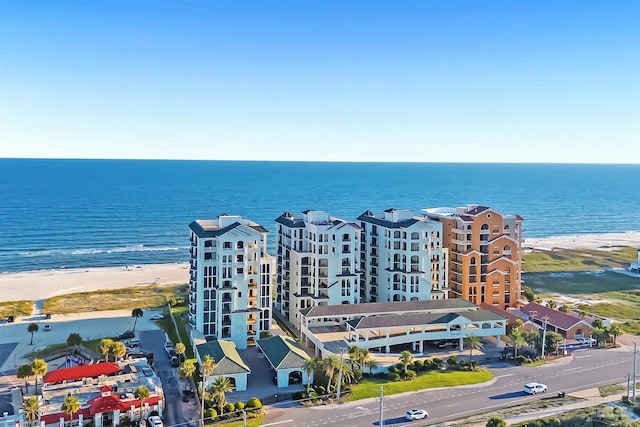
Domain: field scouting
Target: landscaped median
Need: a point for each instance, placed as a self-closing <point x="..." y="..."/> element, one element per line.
<point x="425" y="380"/>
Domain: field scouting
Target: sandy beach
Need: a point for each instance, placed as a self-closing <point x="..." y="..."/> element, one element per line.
<point x="610" y="241"/>
<point x="39" y="285"/>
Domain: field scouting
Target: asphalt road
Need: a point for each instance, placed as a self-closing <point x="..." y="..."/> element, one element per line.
<point x="589" y="369"/>
<point x="153" y="342"/>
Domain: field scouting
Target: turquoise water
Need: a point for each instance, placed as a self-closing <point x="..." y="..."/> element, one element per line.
<point x="95" y="213"/>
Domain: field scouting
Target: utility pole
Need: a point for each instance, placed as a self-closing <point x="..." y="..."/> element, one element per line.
<point x="340" y="375"/>
<point x="381" y="423"/>
<point x="633" y="385"/>
<point x="544" y="335"/>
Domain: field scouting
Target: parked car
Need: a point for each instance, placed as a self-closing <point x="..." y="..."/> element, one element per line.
<point x="588" y="341"/>
<point x="446" y="344"/>
<point x="533" y="388"/>
<point x="126" y="335"/>
<point x="416" y="414"/>
<point x="157" y="316"/>
<point x="154" y="421"/>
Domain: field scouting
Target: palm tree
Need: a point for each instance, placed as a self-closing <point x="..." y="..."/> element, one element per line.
<point x="615" y="331"/>
<point x="106" y="346"/>
<point x="33" y="327"/>
<point x="31" y="409"/>
<point x="39" y="368"/>
<point x="371" y="363"/>
<point x="330" y="364"/>
<point x="221" y="385"/>
<point x="70" y="406"/>
<point x="180" y="349"/>
<point x="74" y="340"/>
<point x="357" y="356"/>
<point x="118" y="349"/>
<point x="207" y="366"/>
<point x="186" y="370"/>
<point x="309" y="367"/>
<point x="473" y="342"/>
<point x="24" y="372"/>
<point x="551" y="304"/>
<point x="406" y="358"/>
<point x="142" y="394"/>
<point x="517" y="339"/>
<point x="137" y="312"/>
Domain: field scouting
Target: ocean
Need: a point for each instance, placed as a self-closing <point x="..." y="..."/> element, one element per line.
<point x="100" y="213"/>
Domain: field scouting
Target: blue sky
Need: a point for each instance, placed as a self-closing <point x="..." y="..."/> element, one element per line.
<point x="345" y="80"/>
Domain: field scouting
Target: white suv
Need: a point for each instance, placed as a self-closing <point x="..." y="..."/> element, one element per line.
<point x="533" y="388"/>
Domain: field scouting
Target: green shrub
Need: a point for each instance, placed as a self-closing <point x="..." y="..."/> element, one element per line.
<point x="521" y="359"/>
<point x="437" y="361"/>
<point x="229" y="407"/>
<point x="393" y="369"/>
<point x="417" y="365"/>
<point x="452" y="360"/>
<point x="410" y="374"/>
<point x="212" y="413"/>
<point x="239" y="406"/>
<point x="254" y="403"/>
<point x="393" y="377"/>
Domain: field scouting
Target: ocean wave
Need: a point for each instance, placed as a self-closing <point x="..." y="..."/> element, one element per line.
<point x="94" y="251"/>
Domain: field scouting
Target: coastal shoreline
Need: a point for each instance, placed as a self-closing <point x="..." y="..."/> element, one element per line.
<point x="43" y="284"/>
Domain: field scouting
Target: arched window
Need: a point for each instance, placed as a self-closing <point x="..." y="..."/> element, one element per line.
<point x="469" y="227"/>
<point x="484" y="227"/>
<point x="506" y="228"/>
<point x="473" y="261"/>
<point x="507" y="248"/>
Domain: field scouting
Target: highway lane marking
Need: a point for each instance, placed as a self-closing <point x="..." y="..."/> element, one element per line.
<point x="277" y="422"/>
<point x="573" y="369"/>
<point x="505" y="375"/>
<point x="582" y="357"/>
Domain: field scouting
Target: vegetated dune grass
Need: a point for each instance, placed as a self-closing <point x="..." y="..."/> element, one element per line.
<point x="581" y="282"/>
<point x="577" y="259"/>
<point x="15" y="308"/>
<point x="429" y="379"/>
<point x="115" y="299"/>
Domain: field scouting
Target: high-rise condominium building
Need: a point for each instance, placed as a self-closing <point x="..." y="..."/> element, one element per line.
<point x="402" y="258"/>
<point x="485" y="253"/>
<point x="317" y="262"/>
<point x="230" y="279"/>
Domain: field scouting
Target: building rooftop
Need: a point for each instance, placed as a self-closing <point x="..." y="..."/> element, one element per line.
<point x="226" y="356"/>
<point x="354" y="310"/>
<point x="283" y="352"/>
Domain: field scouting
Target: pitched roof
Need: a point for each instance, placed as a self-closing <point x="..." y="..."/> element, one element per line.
<point x="369" y="217"/>
<point x="416" y="319"/>
<point x="557" y="318"/>
<point x="79" y="372"/>
<point x="283" y="352"/>
<point x="510" y="315"/>
<point x="227" y="358"/>
<point x="388" y="307"/>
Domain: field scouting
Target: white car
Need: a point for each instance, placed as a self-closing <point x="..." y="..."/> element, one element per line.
<point x="533" y="388"/>
<point x="589" y="341"/>
<point x="416" y="414"/>
<point x="154" y="421"/>
<point x="157" y="316"/>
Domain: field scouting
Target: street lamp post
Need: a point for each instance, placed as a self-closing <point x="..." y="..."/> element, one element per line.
<point x="340" y="374"/>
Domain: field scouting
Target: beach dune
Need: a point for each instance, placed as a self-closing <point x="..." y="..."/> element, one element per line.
<point x="40" y="285"/>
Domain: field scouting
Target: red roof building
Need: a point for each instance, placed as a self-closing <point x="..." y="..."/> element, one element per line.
<point x="80" y="372"/>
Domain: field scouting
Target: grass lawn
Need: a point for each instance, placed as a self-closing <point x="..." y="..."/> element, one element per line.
<point x="577" y="260"/>
<point x="115" y="299"/>
<point x="16" y="308"/>
<point x="428" y="379"/>
<point x="251" y="422"/>
<point x="622" y="291"/>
